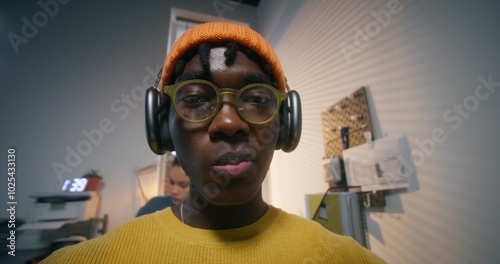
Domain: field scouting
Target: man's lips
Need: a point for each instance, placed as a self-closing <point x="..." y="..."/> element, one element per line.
<point x="232" y="163"/>
<point x="233" y="169"/>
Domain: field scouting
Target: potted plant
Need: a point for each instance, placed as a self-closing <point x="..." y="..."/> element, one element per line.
<point x="94" y="179"/>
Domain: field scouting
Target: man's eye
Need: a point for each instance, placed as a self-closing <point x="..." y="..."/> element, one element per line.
<point x="257" y="100"/>
<point x="258" y="97"/>
<point x="194" y="95"/>
<point x="194" y="100"/>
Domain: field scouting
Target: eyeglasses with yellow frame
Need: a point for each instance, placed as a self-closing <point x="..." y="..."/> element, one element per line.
<point x="200" y="100"/>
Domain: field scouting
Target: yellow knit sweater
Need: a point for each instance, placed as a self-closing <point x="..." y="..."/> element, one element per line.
<point x="278" y="237"/>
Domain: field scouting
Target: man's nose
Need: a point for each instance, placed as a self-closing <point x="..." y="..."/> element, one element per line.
<point x="227" y="121"/>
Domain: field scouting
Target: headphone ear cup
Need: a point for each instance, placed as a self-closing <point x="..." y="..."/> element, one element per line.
<point x="157" y="132"/>
<point x="295" y="125"/>
<point x="284" y="125"/>
<point x="166" y="139"/>
<point x="290" y="122"/>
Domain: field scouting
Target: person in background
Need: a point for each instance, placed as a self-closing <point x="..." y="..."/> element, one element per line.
<point x="179" y="191"/>
<point x="225" y="111"/>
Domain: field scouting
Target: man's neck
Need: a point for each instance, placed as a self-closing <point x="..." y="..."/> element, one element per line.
<point x="199" y="213"/>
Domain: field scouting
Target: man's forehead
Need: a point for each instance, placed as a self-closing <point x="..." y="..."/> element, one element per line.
<point x="217" y="62"/>
<point x="217" y="58"/>
<point x="223" y="32"/>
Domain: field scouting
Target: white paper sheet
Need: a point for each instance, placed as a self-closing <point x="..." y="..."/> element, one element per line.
<point x="381" y="167"/>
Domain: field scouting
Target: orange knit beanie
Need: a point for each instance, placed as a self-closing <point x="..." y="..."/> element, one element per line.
<point x="221" y="32"/>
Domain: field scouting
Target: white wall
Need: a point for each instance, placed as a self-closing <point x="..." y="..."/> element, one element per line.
<point x="421" y="65"/>
<point x="65" y="78"/>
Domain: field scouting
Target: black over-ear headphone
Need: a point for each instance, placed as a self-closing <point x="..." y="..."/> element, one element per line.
<point x="158" y="133"/>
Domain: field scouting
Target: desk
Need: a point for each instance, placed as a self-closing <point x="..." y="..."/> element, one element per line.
<point x="89" y="229"/>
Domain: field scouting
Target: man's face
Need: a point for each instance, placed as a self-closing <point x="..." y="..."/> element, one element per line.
<point x="225" y="157"/>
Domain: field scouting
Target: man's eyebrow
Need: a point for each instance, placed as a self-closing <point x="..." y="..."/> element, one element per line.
<point x="193" y="75"/>
<point x="256" y="78"/>
<point x="248" y="78"/>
